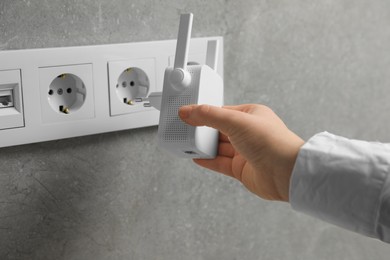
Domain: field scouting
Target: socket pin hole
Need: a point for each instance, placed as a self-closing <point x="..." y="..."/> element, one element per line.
<point x="69" y="90"/>
<point x="60" y="91"/>
<point x="124" y="84"/>
<point x="132" y="83"/>
<point x="51" y="92"/>
<point x="61" y="108"/>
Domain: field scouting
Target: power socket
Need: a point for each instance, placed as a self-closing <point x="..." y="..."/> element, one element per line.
<point x="129" y="80"/>
<point x="66" y="93"/>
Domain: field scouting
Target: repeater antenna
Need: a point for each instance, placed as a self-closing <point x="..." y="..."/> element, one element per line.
<point x="212" y="54"/>
<point x="180" y="78"/>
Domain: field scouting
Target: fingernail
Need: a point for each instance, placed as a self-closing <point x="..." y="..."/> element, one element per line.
<point x="184" y="112"/>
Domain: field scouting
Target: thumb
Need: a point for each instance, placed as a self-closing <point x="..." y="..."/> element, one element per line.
<point x="225" y="120"/>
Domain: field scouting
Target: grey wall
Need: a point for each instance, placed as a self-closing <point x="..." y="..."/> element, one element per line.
<point x="321" y="65"/>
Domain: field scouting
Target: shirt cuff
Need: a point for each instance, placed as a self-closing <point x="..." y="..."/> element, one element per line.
<point x="344" y="182"/>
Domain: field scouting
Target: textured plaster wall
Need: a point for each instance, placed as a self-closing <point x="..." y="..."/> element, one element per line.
<point x="321" y="65"/>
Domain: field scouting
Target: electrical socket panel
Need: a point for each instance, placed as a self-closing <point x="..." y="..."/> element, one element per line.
<point x="55" y="93"/>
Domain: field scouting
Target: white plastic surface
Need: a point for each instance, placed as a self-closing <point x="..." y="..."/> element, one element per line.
<point x="212" y="54"/>
<point x="183" y="41"/>
<point x="205" y="86"/>
<point x="155" y="100"/>
<point x="99" y="67"/>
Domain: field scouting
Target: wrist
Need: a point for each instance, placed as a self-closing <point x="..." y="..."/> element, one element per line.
<point x="283" y="177"/>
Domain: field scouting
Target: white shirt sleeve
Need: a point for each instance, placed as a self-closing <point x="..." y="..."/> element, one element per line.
<point x="344" y="182"/>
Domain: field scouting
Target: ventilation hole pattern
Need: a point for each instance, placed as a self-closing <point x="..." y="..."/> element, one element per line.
<point x="175" y="130"/>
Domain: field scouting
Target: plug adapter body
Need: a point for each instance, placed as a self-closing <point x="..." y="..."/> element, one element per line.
<point x="176" y="136"/>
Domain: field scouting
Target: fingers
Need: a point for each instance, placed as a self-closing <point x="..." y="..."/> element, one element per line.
<point x="242" y="107"/>
<point x="220" y="164"/>
<point x="226" y="149"/>
<point x="225" y="120"/>
<point x="250" y="108"/>
<point x="223" y="138"/>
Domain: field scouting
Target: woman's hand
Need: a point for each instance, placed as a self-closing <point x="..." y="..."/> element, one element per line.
<point x="255" y="146"/>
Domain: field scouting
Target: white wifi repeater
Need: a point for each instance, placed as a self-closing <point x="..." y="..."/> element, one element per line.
<point x="186" y="84"/>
